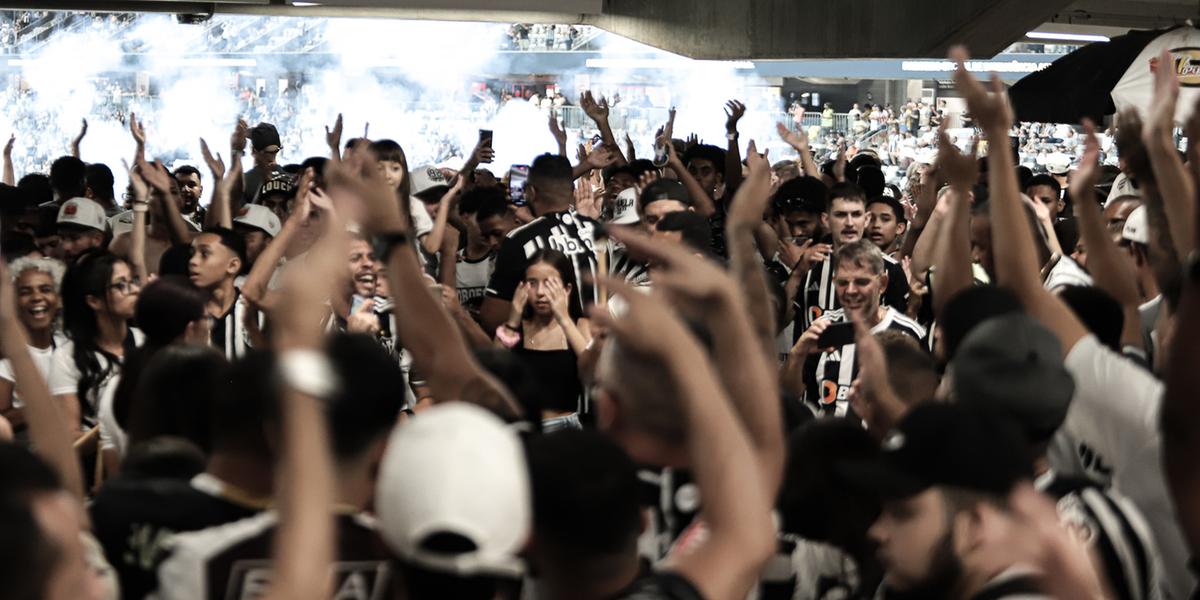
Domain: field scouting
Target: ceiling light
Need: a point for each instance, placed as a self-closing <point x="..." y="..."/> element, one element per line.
<point x="1067" y="37"/>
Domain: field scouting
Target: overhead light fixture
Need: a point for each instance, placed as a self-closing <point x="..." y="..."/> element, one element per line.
<point x="304" y="4"/>
<point x="1067" y="37"/>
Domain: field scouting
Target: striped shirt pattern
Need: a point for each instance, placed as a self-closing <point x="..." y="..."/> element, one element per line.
<point x="818" y="295"/>
<point x="828" y="386"/>
<point x="229" y="333"/>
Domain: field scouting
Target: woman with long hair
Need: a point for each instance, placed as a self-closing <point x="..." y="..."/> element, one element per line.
<point x="169" y="310"/>
<point x="99" y="293"/>
<point x="37" y="282"/>
<point x="548" y="331"/>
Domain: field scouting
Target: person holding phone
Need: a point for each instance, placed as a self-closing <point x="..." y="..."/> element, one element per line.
<point x="822" y="364"/>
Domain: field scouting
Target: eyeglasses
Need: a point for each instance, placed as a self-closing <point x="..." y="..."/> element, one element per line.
<point x="126" y="287"/>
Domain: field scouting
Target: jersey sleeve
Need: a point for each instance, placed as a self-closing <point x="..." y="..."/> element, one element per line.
<point x="510" y="270"/>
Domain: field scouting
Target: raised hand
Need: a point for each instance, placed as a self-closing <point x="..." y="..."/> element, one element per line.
<point x="734" y="111"/>
<point x="1083" y="181"/>
<point x="1161" y="123"/>
<point x="137" y="130"/>
<point x="586" y="202"/>
<point x="961" y="170"/>
<point x="556" y="130"/>
<point x="8" y="147"/>
<point x="357" y="179"/>
<point x="798" y="140"/>
<point x="755" y="191"/>
<point x="992" y="111"/>
<point x="692" y="141"/>
<point x="559" y="300"/>
<point x="600" y="157"/>
<point x="141" y="192"/>
<point x="645" y="179"/>
<point x="648" y="328"/>
<point x="333" y="137"/>
<point x="596" y="111"/>
<point x="484" y="154"/>
<point x="520" y="299"/>
<point x="216" y="164"/>
<point x="83" y="129"/>
<point x="839" y="165"/>
<point x="669" y="130"/>
<point x="156" y="175"/>
<point x="364" y="320"/>
<point x="686" y="278"/>
<point x="241" y="133"/>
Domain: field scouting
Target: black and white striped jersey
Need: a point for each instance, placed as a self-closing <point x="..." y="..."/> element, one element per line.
<point x="1115" y="529"/>
<point x="229" y="334"/>
<point x="828" y="375"/>
<point x="818" y="295"/>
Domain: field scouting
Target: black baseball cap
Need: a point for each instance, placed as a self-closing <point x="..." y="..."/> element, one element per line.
<point x="804" y="193"/>
<point x="940" y="444"/>
<point x="280" y="183"/>
<point x="664" y="189"/>
<point x="263" y="136"/>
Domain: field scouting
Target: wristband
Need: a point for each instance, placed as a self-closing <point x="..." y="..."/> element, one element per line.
<point x="141" y="207"/>
<point x="731" y="136"/>
<point x="307" y="372"/>
<point x="507" y="336"/>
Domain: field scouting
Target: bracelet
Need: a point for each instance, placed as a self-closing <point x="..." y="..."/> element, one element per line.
<point x="507" y="336"/>
<point x="307" y="372"/>
<point x="141" y="207"/>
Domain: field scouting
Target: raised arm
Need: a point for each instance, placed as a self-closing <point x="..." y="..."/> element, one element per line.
<point x="926" y="201"/>
<point x="1110" y="271"/>
<point x="219" y="211"/>
<point x="333" y="139"/>
<point x="47" y="433"/>
<point x="1176" y="187"/>
<point x="255" y="288"/>
<point x="79" y="139"/>
<point x="157" y="176"/>
<point x="1016" y="262"/>
<point x="137" y="244"/>
<point x="1180" y="420"/>
<point x="560" y="136"/>
<point x="702" y="288"/>
<point x="598" y="112"/>
<point x="798" y="140"/>
<point x="599" y="158"/>
<point x="10" y="174"/>
<point x="432" y="243"/>
<point x="737" y="502"/>
<point x="734" y="111"/>
<point x="745" y="216"/>
<point x="702" y="201"/>
<point x="952" y="248"/>
<point x="422" y="326"/>
<point x="139" y="139"/>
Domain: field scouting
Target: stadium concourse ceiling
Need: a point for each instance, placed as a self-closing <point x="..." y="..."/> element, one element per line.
<point x="731" y="30"/>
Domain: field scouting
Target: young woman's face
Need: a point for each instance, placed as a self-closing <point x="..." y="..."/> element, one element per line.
<point x="37" y="299"/>
<point x="538" y="277"/>
<point x="123" y="289"/>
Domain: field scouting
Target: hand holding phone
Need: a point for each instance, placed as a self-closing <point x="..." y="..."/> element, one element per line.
<point x="836" y="336"/>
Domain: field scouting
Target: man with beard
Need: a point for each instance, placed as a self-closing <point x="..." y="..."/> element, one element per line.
<point x="947" y="530"/>
<point x="191" y="189"/>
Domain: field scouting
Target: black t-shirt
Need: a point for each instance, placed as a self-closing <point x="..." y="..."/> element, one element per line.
<point x="235" y="561"/>
<point x="133" y="519"/>
<point x="660" y="586"/>
<point x="567" y="232"/>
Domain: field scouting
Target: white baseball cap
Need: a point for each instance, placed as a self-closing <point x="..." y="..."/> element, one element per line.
<point x="427" y="178"/>
<point x="456" y="469"/>
<point x="1058" y="163"/>
<point x="260" y="217"/>
<point x="1136" y="229"/>
<point x="83" y="212"/>
<point x="624" y="210"/>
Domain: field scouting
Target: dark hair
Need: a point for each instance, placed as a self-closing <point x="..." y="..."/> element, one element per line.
<point x="697" y="234"/>
<point x="911" y="370"/>
<point x="163" y="457"/>
<point x="892" y="203"/>
<point x="68" y="177"/>
<point x="1099" y="311"/>
<point x="232" y="240"/>
<point x="970" y="307"/>
<point x="1046" y="180"/>
<point x="174" y="260"/>
<point x="23" y="473"/>
<point x="164" y="309"/>
<point x="240" y="419"/>
<point x="707" y="152"/>
<point x="175" y="392"/>
<point x="518" y="377"/>
<point x="370" y="397"/>
<point x="28" y="557"/>
<point x="870" y="178"/>
<point x="391" y="151"/>
<point x="475" y="198"/>
<point x="612" y="171"/>
<point x="37" y="187"/>
<point x="566" y="272"/>
<point x="551" y="171"/>
<point x="317" y="164"/>
<point x="186" y="170"/>
<point x="639" y="166"/>
<point x="15" y="245"/>
<point x="805" y="194"/>
<point x="585" y="495"/>
<point x="814" y="502"/>
<point x="492" y="206"/>
<point x="99" y="179"/>
<point x="847" y="191"/>
<point x="89" y="276"/>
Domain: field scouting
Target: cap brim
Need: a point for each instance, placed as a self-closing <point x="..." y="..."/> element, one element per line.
<point x="880" y="477"/>
<point x="271" y="148"/>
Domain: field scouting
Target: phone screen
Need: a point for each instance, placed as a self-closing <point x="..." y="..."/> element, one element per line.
<point x="486" y="134"/>
<point x="836" y="335"/>
<point x="516" y="184"/>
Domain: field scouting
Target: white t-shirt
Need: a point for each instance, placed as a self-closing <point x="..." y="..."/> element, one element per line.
<point x="64" y="375"/>
<point x="1067" y="272"/>
<point x="422" y="222"/>
<point x="112" y="436"/>
<point x="1111" y="434"/>
<point x="41" y="358"/>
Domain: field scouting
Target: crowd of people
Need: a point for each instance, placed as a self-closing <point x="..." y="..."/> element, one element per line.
<point x="698" y="375"/>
